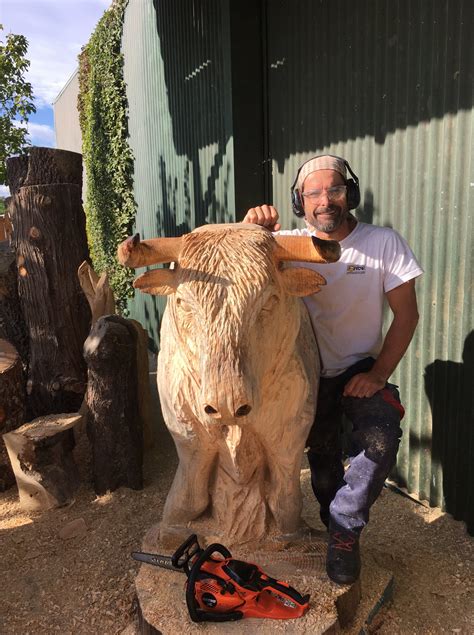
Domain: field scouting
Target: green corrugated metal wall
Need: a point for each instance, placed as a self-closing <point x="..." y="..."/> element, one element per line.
<point x="176" y="66"/>
<point x="385" y="83"/>
<point x="388" y="85"/>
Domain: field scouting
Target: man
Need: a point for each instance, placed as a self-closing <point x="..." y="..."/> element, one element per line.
<point x="375" y="264"/>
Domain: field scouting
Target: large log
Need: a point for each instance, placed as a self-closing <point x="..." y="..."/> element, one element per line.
<point x="50" y="239"/>
<point x="12" y="400"/>
<point x="113" y="420"/>
<point x="41" y="456"/>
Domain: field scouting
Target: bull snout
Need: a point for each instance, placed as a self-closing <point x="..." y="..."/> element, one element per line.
<point x="241" y="411"/>
<point x="227" y="401"/>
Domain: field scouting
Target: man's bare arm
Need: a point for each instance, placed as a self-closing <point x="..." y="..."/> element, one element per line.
<point x="402" y="301"/>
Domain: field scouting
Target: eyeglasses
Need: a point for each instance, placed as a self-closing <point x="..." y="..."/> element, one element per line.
<point x="333" y="193"/>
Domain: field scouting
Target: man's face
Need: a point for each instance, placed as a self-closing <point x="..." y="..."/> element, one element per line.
<point x="324" y="212"/>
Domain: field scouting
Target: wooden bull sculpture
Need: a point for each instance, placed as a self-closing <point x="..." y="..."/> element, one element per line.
<point x="238" y="374"/>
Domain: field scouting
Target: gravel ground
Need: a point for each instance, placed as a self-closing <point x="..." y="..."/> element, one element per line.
<point x="79" y="579"/>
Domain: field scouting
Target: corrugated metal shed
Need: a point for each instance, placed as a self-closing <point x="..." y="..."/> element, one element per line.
<point x="178" y="87"/>
<point x="388" y="85"/>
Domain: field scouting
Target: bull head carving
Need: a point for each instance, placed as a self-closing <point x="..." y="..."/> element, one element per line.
<point x="135" y="253"/>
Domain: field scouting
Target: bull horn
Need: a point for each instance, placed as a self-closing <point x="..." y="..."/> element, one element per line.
<point x="306" y="249"/>
<point x="135" y="253"/>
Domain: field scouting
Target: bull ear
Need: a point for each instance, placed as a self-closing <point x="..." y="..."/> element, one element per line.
<point x="301" y="281"/>
<point x="157" y="282"/>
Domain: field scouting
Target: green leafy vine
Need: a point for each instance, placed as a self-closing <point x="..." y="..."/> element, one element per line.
<point x="109" y="203"/>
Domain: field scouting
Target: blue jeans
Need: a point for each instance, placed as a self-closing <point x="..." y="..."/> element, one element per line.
<point x="346" y="497"/>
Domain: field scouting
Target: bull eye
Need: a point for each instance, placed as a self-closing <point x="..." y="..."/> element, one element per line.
<point x="270" y="304"/>
<point x="183" y="305"/>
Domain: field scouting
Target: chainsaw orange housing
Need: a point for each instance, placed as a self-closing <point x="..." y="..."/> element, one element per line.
<point x="218" y="590"/>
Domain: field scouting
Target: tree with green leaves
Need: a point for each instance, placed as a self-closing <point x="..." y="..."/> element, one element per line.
<point x="16" y="98"/>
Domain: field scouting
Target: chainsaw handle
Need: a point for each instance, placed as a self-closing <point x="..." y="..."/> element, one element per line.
<point x="185" y="549"/>
<point x="198" y="614"/>
<point x="289" y="591"/>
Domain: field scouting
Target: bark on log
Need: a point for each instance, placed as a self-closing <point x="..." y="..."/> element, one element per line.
<point x="12" y="322"/>
<point x="144" y="392"/>
<point x="17" y="168"/>
<point x="12" y="402"/>
<point x="41" y="456"/>
<point x="50" y="240"/>
<point x="113" y="424"/>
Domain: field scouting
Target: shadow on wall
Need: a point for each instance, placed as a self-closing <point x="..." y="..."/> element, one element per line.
<point x="340" y="70"/>
<point x="449" y="388"/>
<point x="192" y="42"/>
<point x="365" y="211"/>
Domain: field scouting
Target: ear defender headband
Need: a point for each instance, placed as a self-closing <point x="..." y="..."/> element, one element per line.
<point x="353" y="191"/>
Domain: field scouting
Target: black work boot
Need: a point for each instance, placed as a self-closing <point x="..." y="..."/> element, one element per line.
<point x="343" y="556"/>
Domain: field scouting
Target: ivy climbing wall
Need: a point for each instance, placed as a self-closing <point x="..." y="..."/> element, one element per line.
<point x="109" y="203"/>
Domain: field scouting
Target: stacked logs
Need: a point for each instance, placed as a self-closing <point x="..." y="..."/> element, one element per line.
<point x="49" y="238"/>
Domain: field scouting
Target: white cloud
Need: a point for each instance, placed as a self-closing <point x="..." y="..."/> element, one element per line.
<point x="4" y="191"/>
<point x="40" y="134"/>
<point x="56" y="30"/>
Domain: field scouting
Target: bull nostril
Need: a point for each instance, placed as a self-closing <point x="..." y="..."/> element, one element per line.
<point x="209" y="410"/>
<point x="243" y="411"/>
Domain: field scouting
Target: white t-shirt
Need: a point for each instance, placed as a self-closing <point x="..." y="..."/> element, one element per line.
<point x="347" y="314"/>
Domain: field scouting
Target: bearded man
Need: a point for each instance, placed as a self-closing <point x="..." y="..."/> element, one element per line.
<point x="376" y="265"/>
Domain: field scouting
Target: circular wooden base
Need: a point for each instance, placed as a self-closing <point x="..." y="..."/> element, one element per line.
<point x="162" y="607"/>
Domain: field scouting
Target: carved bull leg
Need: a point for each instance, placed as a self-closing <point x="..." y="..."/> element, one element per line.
<point x="189" y="493"/>
<point x="284" y="495"/>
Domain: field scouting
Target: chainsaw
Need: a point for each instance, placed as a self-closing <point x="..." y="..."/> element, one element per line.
<point x="225" y="589"/>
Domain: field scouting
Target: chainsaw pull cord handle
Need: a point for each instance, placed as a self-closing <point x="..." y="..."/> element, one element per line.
<point x="198" y="614"/>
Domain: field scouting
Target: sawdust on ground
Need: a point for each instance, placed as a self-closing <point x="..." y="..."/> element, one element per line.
<point x="84" y="584"/>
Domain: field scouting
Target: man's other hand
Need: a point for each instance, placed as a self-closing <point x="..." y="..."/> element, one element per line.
<point x="265" y="215"/>
<point x="364" y="385"/>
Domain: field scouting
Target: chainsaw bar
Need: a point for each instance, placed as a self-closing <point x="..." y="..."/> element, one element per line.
<point x="155" y="559"/>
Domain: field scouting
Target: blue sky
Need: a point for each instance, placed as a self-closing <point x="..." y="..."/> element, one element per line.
<point x="56" y="30"/>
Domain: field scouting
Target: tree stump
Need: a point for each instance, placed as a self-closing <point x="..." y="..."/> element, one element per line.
<point x="41" y="456"/>
<point x="12" y="401"/>
<point x="113" y="421"/>
<point x="101" y="301"/>
<point x="50" y="240"/>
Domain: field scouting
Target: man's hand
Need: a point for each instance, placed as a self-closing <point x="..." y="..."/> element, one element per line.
<point x="265" y="215"/>
<point x="364" y="385"/>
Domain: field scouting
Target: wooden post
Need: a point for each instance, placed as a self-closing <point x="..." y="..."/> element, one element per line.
<point x="41" y="456"/>
<point x="12" y="401"/>
<point x="113" y="420"/>
<point x="50" y="240"/>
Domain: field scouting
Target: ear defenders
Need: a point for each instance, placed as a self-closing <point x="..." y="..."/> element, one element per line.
<point x="353" y="191"/>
